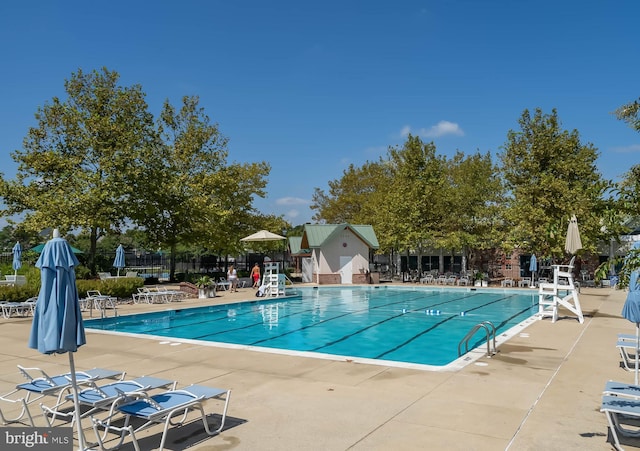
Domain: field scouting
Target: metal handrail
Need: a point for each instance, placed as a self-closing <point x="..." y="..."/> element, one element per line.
<point x="490" y="330"/>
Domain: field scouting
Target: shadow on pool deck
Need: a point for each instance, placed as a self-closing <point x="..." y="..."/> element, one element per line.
<point x="541" y="391"/>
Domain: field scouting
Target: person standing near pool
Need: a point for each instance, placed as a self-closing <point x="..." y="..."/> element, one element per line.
<point x="232" y="277"/>
<point x="255" y="275"/>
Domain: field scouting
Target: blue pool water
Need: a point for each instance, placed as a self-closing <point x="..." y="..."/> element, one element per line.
<point x="414" y="325"/>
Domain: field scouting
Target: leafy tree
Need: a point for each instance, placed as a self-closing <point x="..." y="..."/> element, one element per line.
<point x="10" y="234"/>
<point x="630" y="113"/>
<point x="400" y="196"/>
<point x="75" y="171"/>
<point x="474" y="196"/>
<point x="629" y="190"/>
<point x="187" y="193"/>
<point x="628" y="204"/>
<point x="630" y="185"/>
<point x="354" y="198"/>
<point x="415" y="205"/>
<point x="551" y="175"/>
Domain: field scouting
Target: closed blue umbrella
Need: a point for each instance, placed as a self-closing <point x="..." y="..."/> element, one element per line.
<point x="119" y="261"/>
<point x="533" y="267"/>
<point x="631" y="308"/>
<point x="57" y="323"/>
<point x="17" y="256"/>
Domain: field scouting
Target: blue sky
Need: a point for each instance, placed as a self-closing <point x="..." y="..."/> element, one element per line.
<point x="312" y="87"/>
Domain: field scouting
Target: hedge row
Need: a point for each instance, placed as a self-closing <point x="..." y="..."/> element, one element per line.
<point x="121" y="288"/>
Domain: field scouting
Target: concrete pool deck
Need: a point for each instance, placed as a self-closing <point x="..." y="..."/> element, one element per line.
<point x="542" y="390"/>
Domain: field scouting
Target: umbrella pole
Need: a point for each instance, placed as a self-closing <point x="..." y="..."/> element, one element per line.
<point x="637" y="350"/>
<point x="74" y="386"/>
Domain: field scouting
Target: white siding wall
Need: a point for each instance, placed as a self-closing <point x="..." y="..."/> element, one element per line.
<point x="328" y="258"/>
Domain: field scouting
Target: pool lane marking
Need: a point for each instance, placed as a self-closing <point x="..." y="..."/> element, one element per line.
<point x="438" y="324"/>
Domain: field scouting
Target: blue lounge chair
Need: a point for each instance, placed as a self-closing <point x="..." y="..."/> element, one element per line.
<point x="98" y="397"/>
<point x="46" y="385"/>
<point x="622" y="412"/>
<point x="614" y="388"/>
<point x="160" y="408"/>
<point x="627" y="346"/>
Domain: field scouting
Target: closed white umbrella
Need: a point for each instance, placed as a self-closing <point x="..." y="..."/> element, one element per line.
<point x="573" y="242"/>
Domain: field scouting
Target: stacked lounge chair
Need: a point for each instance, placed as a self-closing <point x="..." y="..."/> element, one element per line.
<point x="36" y="388"/>
<point x="160" y="408"/>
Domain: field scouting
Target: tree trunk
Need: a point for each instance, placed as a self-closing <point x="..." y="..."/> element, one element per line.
<point x="172" y="263"/>
<point x="91" y="258"/>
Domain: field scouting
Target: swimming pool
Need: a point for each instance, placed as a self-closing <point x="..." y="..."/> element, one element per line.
<point x="412" y="325"/>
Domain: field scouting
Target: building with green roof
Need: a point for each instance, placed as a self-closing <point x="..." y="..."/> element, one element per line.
<point x="338" y="253"/>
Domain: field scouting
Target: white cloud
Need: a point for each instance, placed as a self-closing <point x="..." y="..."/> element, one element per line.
<point x="292" y="214"/>
<point x="442" y="128"/>
<point x="627" y="149"/>
<point x="292" y="201"/>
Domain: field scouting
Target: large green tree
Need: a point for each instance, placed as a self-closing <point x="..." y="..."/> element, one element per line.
<point x="474" y="196"/>
<point x="629" y="187"/>
<point x="354" y="198"/>
<point x="401" y="196"/>
<point x="628" y="211"/>
<point x="75" y="171"/>
<point x="187" y="192"/>
<point x="415" y="204"/>
<point x="550" y="176"/>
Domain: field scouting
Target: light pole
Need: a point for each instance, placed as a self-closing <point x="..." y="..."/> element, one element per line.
<point x="284" y="250"/>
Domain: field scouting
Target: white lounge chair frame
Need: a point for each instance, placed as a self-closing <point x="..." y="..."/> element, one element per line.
<point x="621" y="404"/>
<point x="25" y="308"/>
<point x="223" y="284"/>
<point x="159" y="409"/>
<point x="46" y="385"/>
<point x="625" y="344"/>
<point x="100" y="397"/>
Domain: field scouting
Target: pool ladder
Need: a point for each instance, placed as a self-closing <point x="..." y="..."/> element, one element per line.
<point x="489" y="328"/>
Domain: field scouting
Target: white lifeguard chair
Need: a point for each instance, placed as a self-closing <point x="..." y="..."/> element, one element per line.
<point x="561" y="292"/>
<point x="273" y="281"/>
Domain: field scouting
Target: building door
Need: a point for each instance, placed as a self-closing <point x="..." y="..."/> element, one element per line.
<point x="346" y="271"/>
<point x="307" y="270"/>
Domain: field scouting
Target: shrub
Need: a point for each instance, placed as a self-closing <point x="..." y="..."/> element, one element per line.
<point x="18" y="294"/>
<point x="82" y="272"/>
<point x="122" y="287"/>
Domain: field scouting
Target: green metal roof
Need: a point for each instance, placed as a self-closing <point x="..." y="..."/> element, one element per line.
<point x="315" y="235"/>
<point x="294" y="246"/>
